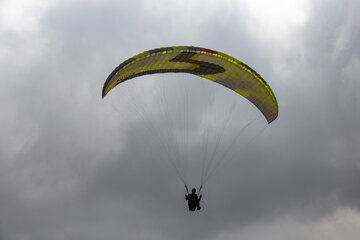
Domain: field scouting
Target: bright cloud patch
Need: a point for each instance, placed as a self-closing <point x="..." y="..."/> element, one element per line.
<point x="343" y="224"/>
<point x="277" y="18"/>
<point x="22" y="15"/>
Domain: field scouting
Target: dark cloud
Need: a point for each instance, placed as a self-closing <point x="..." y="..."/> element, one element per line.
<point x="76" y="166"/>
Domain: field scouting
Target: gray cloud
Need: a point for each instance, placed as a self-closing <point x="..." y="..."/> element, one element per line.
<point x="74" y="166"/>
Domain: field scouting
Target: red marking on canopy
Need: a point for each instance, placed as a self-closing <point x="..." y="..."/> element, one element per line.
<point x="209" y="50"/>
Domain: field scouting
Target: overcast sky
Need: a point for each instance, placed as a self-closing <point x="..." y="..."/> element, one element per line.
<point x="76" y="166"/>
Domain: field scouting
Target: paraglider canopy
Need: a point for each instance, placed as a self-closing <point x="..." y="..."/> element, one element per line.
<point x="206" y="63"/>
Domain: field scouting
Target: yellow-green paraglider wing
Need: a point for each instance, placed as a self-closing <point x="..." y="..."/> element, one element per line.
<point x="213" y="65"/>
